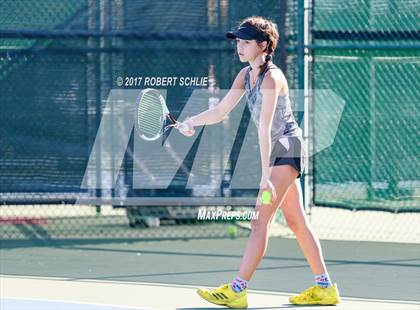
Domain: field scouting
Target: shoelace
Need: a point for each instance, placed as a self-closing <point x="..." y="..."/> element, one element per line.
<point x="222" y="288"/>
<point x="309" y="292"/>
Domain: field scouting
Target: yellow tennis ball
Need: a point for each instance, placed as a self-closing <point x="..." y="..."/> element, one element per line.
<point x="266" y="198"/>
<point x="232" y="231"/>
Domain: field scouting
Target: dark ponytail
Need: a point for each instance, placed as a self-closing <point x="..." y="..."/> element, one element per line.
<point x="267" y="58"/>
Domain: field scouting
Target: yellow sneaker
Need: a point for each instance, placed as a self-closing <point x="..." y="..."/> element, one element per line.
<point x="317" y="295"/>
<point x="225" y="296"/>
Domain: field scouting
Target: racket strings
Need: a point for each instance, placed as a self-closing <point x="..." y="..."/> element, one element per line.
<point x="150" y="116"/>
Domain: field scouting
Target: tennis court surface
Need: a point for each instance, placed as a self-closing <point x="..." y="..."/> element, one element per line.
<point x="164" y="274"/>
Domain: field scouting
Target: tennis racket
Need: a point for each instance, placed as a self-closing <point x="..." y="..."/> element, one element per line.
<point x="153" y="116"/>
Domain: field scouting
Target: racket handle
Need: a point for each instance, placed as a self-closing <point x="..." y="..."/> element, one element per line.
<point x="181" y="126"/>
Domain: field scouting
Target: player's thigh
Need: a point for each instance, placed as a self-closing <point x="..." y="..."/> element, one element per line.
<point x="281" y="177"/>
<point x="292" y="206"/>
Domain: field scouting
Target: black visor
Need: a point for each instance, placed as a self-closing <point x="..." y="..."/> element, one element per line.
<point x="247" y="32"/>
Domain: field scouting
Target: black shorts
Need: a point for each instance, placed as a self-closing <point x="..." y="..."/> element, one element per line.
<point x="289" y="151"/>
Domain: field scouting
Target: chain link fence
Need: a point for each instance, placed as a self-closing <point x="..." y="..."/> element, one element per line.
<point x="367" y="53"/>
<point x="59" y="61"/>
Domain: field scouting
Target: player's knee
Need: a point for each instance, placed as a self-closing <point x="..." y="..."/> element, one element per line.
<point x="259" y="226"/>
<point x="296" y="225"/>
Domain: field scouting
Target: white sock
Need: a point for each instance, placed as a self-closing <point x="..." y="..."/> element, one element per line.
<point x="323" y="280"/>
<point x="239" y="284"/>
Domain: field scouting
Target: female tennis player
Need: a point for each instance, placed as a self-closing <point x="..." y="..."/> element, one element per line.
<point x="282" y="157"/>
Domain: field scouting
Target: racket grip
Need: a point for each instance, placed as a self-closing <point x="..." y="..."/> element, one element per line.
<point x="182" y="126"/>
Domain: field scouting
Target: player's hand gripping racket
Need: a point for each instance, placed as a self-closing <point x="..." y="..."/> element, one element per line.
<point x="153" y="116"/>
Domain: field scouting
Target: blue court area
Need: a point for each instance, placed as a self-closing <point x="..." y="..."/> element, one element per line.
<point x="39" y="304"/>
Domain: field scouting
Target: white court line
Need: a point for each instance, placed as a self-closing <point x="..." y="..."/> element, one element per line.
<point x="193" y="287"/>
<point x="153" y="295"/>
<point x="116" y="307"/>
